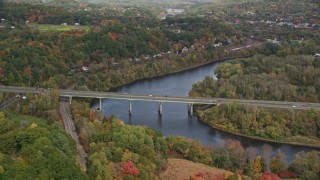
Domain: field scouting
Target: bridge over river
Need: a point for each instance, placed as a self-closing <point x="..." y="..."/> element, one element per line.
<point x="162" y="99"/>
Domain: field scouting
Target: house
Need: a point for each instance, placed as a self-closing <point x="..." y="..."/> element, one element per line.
<point x="185" y="50"/>
<point x="218" y="44"/>
<point x="275" y="41"/>
<point x="85" y="68"/>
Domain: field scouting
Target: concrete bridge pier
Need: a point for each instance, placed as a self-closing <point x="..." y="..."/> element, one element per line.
<point x="70" y="99"/>
<point x="160" y="108"/>
<point x="130" y="108"/>
<point x="100" y="104"/>
<point x="190" y="109"/>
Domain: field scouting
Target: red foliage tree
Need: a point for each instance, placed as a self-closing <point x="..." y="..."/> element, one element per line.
<point x="128" y="168"/>
<point x="199" y="176"/>
<point x="269" y="176"/>
<point x="218" y="177"/>
<point x="287" y="175"/>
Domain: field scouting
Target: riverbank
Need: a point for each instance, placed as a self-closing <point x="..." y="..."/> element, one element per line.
<point x="311" y="144"/>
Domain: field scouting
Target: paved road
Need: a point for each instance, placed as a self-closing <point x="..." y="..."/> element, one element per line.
<point x="71" y="129"/>
<point x="214" y="101"/>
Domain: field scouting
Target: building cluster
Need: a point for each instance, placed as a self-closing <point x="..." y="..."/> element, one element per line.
<point x="281" y="22"/>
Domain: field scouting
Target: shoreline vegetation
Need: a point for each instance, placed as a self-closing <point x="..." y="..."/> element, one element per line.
<point x="258" y="138"/>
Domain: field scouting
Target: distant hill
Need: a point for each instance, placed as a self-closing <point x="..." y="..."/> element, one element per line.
<point x="107" y="1"/>
<point x="43" y="1"/>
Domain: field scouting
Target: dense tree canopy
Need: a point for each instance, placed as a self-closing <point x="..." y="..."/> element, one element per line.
<point x="116" y="49"/>
<point x="33" y="151"/>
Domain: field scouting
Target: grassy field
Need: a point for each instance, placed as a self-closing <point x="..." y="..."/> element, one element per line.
<point x="27" y="119"/>
<point x="184" y="169"/>
<point x="51" y="27"/>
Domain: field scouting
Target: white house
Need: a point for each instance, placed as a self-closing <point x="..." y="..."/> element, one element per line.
<point x="85" y="68"/>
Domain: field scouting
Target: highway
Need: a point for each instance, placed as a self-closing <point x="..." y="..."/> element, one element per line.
<point x="191" y="100"/>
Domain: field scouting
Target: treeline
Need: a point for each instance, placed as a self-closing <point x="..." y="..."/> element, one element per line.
<point x="293" y="78"/>
<point x="29" y="151"/>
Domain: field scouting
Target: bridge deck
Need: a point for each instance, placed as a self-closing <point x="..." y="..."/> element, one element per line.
<point x="214" y="101"/>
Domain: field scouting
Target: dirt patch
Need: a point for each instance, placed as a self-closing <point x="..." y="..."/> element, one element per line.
<point x="179" y="169"/>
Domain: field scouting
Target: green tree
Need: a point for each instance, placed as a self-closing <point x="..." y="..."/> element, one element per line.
<point x="1" y="7"/>
<point x="269" y="48"/>
<point x="226" y="70"/>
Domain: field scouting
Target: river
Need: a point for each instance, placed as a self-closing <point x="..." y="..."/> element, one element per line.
<point x="175" y="119"/>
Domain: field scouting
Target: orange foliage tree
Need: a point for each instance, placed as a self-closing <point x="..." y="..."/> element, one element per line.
<point x="113" y="36"/>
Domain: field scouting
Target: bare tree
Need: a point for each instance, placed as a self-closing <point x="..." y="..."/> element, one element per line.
<point x="251" y="153"/>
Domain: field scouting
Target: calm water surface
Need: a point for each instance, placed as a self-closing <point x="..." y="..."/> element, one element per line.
<point x="175" y="119"/>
